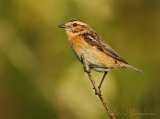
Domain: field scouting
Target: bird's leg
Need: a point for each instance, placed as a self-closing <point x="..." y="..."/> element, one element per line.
<point x="86" y="66"/>
<point x="88" y="71"/>
<point x="100" y="84"/>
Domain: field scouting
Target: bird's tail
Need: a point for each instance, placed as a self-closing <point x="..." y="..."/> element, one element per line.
<point x="133" y="68"/>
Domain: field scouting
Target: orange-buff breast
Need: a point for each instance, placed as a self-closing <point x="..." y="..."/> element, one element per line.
<point x="78" y="44"/>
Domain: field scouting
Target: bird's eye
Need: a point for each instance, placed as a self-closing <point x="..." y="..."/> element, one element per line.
<point x="75" y="24"/>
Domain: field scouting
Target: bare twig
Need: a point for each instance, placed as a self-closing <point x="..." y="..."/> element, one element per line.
<point x="97" y="90"/>
<point x="111" y="114"/>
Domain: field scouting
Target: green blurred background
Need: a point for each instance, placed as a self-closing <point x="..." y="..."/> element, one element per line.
<point x="40" y="78"/>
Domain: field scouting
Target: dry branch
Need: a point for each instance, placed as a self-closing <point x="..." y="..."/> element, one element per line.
<point x="98" y="93"/>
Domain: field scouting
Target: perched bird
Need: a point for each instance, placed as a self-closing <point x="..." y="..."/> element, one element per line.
<point x="91" y="50"/>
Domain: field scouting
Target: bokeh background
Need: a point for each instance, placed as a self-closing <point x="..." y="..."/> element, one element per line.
<point x="40" y="78"/>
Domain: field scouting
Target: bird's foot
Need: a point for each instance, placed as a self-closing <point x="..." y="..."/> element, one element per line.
<point x="87" y="69"/>
<point x="97" y="91"/>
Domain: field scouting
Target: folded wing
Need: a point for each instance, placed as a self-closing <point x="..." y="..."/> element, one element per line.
<point x="93" y="40"/>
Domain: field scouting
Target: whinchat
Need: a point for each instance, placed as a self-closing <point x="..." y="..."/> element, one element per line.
<point x="91" y="50"/>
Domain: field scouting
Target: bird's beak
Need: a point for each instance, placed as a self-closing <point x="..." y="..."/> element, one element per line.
<point x="62" y="26"/>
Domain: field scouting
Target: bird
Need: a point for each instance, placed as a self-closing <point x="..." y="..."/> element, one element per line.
<point x="91" y="50"/>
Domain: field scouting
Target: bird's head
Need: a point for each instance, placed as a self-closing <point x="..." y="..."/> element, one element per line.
<point x="74" y="27"/>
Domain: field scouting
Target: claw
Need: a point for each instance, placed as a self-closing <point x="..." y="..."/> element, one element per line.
<point x="87" y="69"/>
<point x="98" y="92"/>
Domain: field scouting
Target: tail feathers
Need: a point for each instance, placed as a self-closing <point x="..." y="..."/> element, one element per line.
<point x="133" y="68"/>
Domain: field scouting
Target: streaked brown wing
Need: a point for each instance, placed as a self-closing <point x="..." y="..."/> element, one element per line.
<point x="100" y="45"/>
<point x="114" y="55"/>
